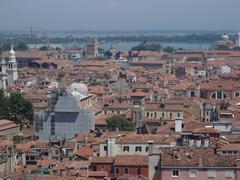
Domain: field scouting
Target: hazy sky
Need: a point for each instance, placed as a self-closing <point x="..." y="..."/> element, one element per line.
<point x="120" y="14"/>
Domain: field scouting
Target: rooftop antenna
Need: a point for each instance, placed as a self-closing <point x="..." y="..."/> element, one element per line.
<point x="31" y="32"/>
<point x="204" y="62"/>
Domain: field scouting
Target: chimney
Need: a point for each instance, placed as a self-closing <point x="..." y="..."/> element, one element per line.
<point x="111" y="146"/>
<point x="150" y="147"/>
<point x="176" y="153"/>
<point x="200" y="162"/>
<point x="178" y="125"/>
<point x="190" y="154"/>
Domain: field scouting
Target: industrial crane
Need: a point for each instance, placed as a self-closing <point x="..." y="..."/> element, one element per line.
<point x="139" y="47"/>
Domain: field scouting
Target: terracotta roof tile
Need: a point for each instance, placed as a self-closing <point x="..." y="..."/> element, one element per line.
<point x="131" y="160"/>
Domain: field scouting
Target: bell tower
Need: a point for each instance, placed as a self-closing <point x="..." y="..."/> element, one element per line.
<point x="3" y="74"/>
<point x="12" y="70"/>
<point x="138" y="110"/>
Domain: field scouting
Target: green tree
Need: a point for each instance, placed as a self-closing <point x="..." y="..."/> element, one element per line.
<point x="16" y="139"/>
<point x="58" y="49"/>
<point x="148" y="47"/>
<point x="118" y="122"/>
<point x="4" y="105"/>
<point x="21" y="46"/>
<point x="169" y="49"/>
<point x="6" y="47"/>
<point x="100" y="58"/>
<point x="21" y="110"/>
<point x="236" y="48"/>
<point x="43" y="48"/>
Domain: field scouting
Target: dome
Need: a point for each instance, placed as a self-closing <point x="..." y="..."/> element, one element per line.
<point x="79" y="87"/>
<point x="12" y="52"/>
<point x="78" y="95"/>
<point x="225" y="37"/>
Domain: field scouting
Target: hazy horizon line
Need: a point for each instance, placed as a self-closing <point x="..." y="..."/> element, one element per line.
<point x="121" y="30"/>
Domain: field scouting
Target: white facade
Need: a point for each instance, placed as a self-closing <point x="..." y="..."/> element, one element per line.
<point x="112" y="148"/>
<point x="8" y="70"/>
<point x="225" y="69"/>
<point x="178" y="125"/>
<point x="3" y="74"/>
<point x="238" y="39"/>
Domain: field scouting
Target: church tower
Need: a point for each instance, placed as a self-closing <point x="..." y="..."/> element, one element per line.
<point x="3" y="74"/>
<point x="138" y="110"/>
<point x="12" y="68"/>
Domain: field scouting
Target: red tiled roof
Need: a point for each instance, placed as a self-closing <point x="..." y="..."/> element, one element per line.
<point x="85" y="151"/>
<point x="100" y="160"/>
<point x="6" y="124"/>
<point x="131" y="160"/>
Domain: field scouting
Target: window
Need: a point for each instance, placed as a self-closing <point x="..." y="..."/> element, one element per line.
<point x="138" y="171"/>
<point x="229" y="173"/>
<point x="178" y="114"/>
<point x="211" y="173"/>
<point x="224" y="96"/>
<point x="213" y="96"/>
<point x="105" y="148"/>
<point x="202" y="95"/>
<point x="102" y="167"/>
<point x="219" y="95"/>
<point x="147" y="114"/>
<point x="237" y="94"/>
<point x="117" y="171"/>
<point x="163" y="114"/>
<point x="138" y="149"/>
<point x="155" y="114"/>
<point x="146" y="149"/>
<point x="170" y="115"/>
<point x="94" y="168"/>
<point x="175" y="173"/>
<point x="155" y="168"/>
<point x="111" y="169"/>
<point x="192" y="94"/>
<point x="193" y="173"/>
<point x="125" y="170"/>
<point x="125" y="148"/>
<point x="56" y="152"/>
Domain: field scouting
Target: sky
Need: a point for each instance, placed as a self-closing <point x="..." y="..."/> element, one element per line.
<point x="119" y="15"/>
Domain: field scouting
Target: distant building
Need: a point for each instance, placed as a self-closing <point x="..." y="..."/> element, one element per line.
<point x="8" y="128"/>
<point x="68" y="113"/>
<point x="194" y="163"/>
<point x="138" y="107"/>
<point x="224" y="43"/>
<point x="92" y="48"/>
<point x="8" y="70"/>
<point x="225" y="69"/>
<point x="219" y="90"/>
<point x="134" y="144"/>
<point x="238" y="39"/>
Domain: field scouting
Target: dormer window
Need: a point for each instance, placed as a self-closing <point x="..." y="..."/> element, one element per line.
<point x="219" y="95"/>
<point x="138" y="149"/>
<point x="237" y="94"/>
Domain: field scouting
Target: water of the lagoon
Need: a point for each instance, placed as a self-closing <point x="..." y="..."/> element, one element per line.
<point x="125" y="46"/>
